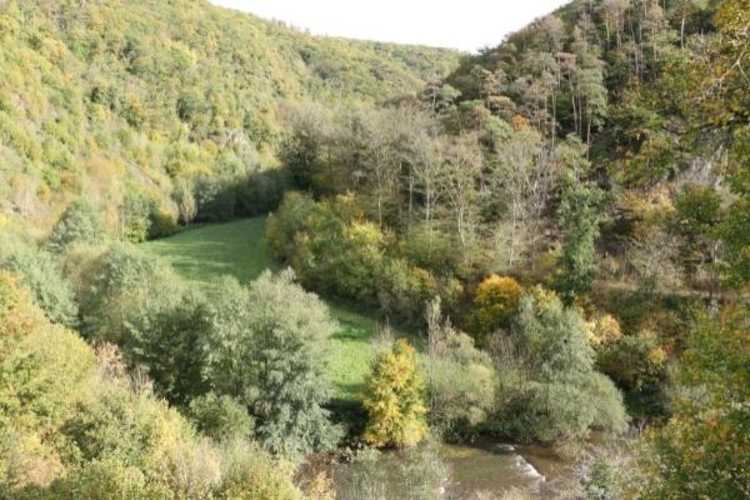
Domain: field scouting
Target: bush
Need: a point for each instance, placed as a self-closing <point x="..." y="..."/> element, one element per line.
<point x="249" y="474"/>
<point x="40" y="273"/>
<point x="703" y="451"/>
<point x="161" y="224"/>
<point x="268" y="352"/>
<point x="430" y="249"/>
<point x="460" y="379"/>
<point x="43" y="368"/>
<point x="394" y="399"/>
<point x="80" y="223"/>
<point x="262" y="192"/>
<point x="339" y="252"/>
<point x="112" y="438"/>
<point x="335" y="250"/>
<point x="418" y="474"/>
<point x="403" y="290"/>
<point x="638" y="365"/>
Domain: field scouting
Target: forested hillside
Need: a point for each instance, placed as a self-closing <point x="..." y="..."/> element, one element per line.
<point x="150" y="107"/>
<point x="553" y="235"/>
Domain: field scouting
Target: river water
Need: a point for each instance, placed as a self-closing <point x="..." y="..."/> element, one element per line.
<point x="496" y="468"/>
<point x="462" y="472"/>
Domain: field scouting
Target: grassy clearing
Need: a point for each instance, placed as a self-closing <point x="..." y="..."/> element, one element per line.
<point x="239" y="249"/>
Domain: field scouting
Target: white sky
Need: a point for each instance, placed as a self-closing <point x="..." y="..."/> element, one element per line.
<point x="462" y="24"/>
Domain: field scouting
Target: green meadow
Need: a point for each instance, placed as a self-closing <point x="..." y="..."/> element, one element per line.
<point x="206" y="253"/>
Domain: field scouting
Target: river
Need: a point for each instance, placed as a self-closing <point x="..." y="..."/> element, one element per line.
<point x="461" y="472"/>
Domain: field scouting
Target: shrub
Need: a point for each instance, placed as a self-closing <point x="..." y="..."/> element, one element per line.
<point x="40" y="273"/>
<point x="283" y="226"/>
<point x="418" y="474"/>
<point x="42" y="370"/>
<point x="80" y="223"/>
<point x="403" y="289"/>
<point x="430" y="249"/>
<point x="161" y="224"/>
<point x="268" y="352"/>
<point x="638" y="365"/>
<point x="394" y="399"/>
<point x="339" y="252"/>
<point x="335" y="250"/>
<point x="635" y="361"/>
<point x="262" y="192"/>
<point x="460" y="379"/>
<point x="603" y="331"/>
<point x="216" y="200"/>
<point x="249" y="474"/>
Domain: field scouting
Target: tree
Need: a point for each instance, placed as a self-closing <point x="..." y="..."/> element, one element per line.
<point x="39" y="271"/>
<point x="524" y="177"/>
<point x="495" y="302"/>
<point x="220" y="417"/>
<point x="548" y="388"/>
<point x="267" y="352"/>
<point x="460" y="184"/>
<point x="80" y="223"/>
<point x="579" y="221"/>
<point x="394" y="400"/>
<point x="722" y="92"/>
<point x="123" y="292"/>
<point x="168" y="342"/>
<point x="704" y="449"/>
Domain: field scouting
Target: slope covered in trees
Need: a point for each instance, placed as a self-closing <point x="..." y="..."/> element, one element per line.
<point x="563" y="217"/>
<point x="150" y="109"/>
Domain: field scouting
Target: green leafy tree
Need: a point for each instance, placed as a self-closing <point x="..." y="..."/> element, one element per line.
<point x="548" y="388"/>
<point x="267" y="352"/>
<point x="394" y="399"/>
<point x="579" y="221"/>
<point x="80" y="223"/>
<point x="220" y="417"/>
<point x="125" y="288"/>
<point x="40" y="272"/>
<point x="168" y="342"/>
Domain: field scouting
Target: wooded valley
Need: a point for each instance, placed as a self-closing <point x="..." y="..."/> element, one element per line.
<point x="239" y="261"/>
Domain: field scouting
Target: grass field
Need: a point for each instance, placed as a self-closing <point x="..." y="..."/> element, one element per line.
<point x="206" y="253"/>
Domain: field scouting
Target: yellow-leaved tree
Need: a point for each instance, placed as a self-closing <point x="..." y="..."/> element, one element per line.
<point x="495" y="302"/>
<point x="395" y="399"/>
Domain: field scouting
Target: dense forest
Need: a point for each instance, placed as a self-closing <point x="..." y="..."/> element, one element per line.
<point x="548" y="244"/>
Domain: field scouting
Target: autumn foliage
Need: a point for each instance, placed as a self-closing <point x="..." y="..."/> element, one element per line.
<point x="496" y="300"/>
<point x="394" y="399"/>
